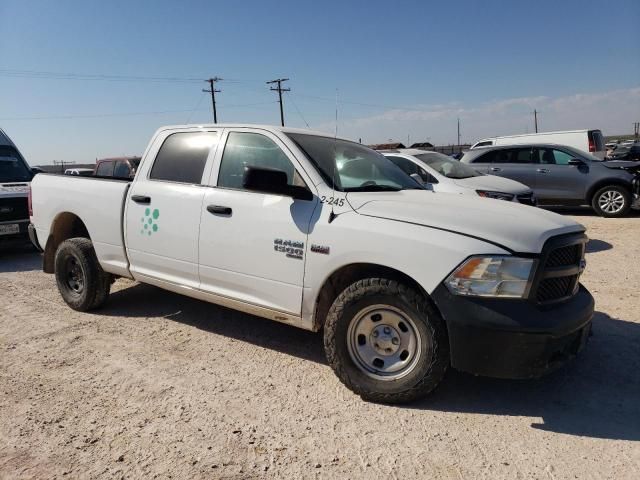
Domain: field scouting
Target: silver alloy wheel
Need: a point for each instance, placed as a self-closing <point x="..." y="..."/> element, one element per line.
<point x="611" y="201"/>
<point x="384" y="342"/>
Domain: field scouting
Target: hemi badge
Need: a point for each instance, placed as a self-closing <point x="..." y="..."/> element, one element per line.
<point x="320" y="249"/>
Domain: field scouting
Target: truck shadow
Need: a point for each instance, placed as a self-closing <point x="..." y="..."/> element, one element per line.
<point x="142" y="300"/>
<point x="19" y="259"/>
<point x="597" y="395"/>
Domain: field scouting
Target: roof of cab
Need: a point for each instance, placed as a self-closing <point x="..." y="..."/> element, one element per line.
<point x="272" y="128"/>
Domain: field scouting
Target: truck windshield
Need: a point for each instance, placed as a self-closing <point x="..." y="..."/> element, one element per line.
<point x="447" y="166"/>
<point x="351" y="167"/>
<point x="12" y="167"/>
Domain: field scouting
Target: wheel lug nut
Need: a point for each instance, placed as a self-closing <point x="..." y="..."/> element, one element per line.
<point x="387" y="330"/>
<point x="395" y="340"/>
<point x="375" y="333"/>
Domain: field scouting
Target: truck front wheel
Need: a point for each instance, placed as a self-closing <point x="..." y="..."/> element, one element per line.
<point x="385" y="341"/>
<point x="81" y="281"/>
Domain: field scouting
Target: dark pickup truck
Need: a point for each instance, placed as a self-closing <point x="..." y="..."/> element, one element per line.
<point x="15" y="177"/>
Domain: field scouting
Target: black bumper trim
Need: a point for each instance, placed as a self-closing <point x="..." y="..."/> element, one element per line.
<point x="33" y="237"/>
<point x="507" y="338"/>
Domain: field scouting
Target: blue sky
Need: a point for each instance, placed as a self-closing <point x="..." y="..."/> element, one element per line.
<point x="400" y="68"/>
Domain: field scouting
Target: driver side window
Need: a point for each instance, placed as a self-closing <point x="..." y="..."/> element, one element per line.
<point x="252" y="150"/>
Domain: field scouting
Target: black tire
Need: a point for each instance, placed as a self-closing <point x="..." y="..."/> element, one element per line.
<point x="81" y="281"/>
<point x="429" y="366"/>
<point x="599" y="201"/>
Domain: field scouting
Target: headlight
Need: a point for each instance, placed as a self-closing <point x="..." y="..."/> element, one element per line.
<point x="497" y="195"/>
<point x="499" y="276"/>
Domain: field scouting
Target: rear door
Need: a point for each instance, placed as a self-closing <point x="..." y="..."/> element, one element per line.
<point x="163" y="207"/>
<point x="515" y="163"/>
<point x="557" y="182"/>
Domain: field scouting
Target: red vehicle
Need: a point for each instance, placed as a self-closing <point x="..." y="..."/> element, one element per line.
<point x="120" y="167"/>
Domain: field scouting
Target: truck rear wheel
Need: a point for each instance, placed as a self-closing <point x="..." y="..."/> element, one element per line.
<point x="80" y="278"/>
<point x="385" y="341"/>
<point x="611" y="201"/>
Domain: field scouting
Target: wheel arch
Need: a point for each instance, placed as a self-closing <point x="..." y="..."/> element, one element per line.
<point x="64" y="226"/>
<point x="344" y="276"/>
<point x="619" y="182"/>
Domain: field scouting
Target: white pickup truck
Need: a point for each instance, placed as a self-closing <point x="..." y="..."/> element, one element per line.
<point x="326" y="234"/>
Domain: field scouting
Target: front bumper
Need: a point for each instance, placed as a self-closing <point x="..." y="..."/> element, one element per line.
<point x="507" y="338"/>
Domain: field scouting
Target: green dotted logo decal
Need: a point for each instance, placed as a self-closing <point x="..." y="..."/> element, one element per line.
<point x="149" y="221"/>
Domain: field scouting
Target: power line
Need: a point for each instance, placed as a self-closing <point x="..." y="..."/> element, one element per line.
<point x="299" y="112"/>
<point x="82" y="76"/>
<point x="212" y="90"/>
<point x="279" y="89"/>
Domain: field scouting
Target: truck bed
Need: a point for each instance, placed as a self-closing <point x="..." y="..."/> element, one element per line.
<point x="97" y="201"/>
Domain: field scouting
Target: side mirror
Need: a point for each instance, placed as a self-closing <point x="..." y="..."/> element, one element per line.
<point x="576" y="161"/>
<point x="36" y="170"/>
<point x="269" y="180"/>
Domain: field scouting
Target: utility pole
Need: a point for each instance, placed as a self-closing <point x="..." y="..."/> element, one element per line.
<point x="636" y="130"/>
<point x="212" y="90"/>
<point x="535" y="119"/>
<point x="458" y="132"/>
<point x="279" y="89"/>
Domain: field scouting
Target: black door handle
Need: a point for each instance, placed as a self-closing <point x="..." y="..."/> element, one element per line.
<point x="219" y="210"/>
<point x="141" y="199"/>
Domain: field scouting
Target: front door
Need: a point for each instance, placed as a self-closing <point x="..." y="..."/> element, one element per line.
<point x="163" y="209"/>
<point x="253" y="245"/>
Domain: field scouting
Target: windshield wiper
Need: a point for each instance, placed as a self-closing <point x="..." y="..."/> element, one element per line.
<point x="373" y="188"/>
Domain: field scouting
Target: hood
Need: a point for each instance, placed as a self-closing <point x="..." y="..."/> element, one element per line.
<point x="493" y="183"/>
<point x="623" y="165"/>
<point x="513" y="226"/>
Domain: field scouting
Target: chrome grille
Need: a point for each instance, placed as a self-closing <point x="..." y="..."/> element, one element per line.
<point x="561" y="264"/>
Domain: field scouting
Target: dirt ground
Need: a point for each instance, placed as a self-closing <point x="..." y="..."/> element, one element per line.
<point x="159" y="385"/>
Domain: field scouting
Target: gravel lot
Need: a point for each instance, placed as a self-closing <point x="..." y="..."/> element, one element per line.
<point x="159" y="385"/>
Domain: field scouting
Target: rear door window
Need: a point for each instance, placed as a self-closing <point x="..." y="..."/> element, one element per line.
<point x="122" y="170"/>
<point x="105" y="169"/>
<point x="182" y="157"/>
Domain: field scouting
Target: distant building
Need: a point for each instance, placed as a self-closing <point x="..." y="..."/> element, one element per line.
<point x="422" y="145"/>
<point x="386" y="146"/>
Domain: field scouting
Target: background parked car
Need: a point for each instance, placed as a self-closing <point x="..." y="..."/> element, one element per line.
<point x="15" y="176"/>
<point x="120" y="167"/>
<point x="561" y="175"/>
<point x="83" y="172"/>
<point x="590" y="141"/>
<point x="626" y="153"/>
<point x="441" y="173"/>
